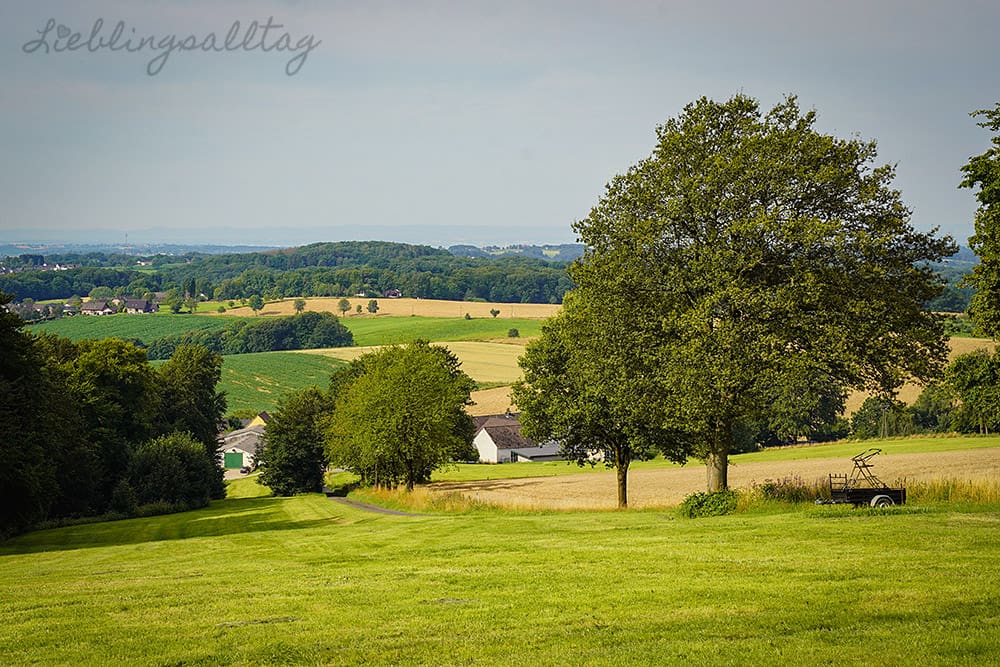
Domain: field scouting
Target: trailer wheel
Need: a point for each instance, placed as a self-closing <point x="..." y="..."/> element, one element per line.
<point x="881" y="501"/>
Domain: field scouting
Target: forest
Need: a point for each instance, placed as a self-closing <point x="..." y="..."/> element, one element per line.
<point x="319" y="269"/>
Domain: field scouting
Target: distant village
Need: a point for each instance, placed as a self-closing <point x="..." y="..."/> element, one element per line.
<point x="31" y="311"/>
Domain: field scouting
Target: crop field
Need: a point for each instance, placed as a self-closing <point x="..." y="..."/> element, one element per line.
<point x="306" y="580"/>
<point x="256" y="381"/>
<point x="484" y="362"/>
<point x="394" y="330"/>
<point x="370" y="330"/>
<point x="410" y="307"/>
<point x="143" y="327"/>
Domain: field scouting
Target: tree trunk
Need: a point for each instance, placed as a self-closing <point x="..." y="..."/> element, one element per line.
<point x="717" y="469"/>
<point x="622" y="460"/>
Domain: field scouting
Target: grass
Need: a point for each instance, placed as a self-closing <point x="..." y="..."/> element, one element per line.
<point x="256" y="381"/>
<point x="304" y="580"/>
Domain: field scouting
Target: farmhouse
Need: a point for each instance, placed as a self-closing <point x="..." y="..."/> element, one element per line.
<point x="498" y="440"/>
<point x="97" y="308"/>
<point x="239" y="448"/>
<point x="135" y="306"/>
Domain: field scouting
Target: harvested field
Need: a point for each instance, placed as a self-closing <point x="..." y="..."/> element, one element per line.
<point x="407" y="307"/>
<point x="489" y="362"/>
<point x="666" y="487"/>
<point x="909" y="392"/>
<point x="494" y="401"/>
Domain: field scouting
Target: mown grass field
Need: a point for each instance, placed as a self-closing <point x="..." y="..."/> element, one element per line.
<point x="256" y="381"/>
<point x="304" y="580"/>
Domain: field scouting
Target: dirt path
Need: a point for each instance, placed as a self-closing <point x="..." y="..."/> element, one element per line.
<point x="367" y="507"/>
<point x="666" y="487"/>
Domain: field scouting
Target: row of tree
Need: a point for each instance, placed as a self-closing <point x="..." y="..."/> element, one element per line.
<point x="322" y="269"/>
<point x="303" y="331"/>
<point x="44" y="285"/>
<point x="392" y="416"/>
<point x="91" y="427"/>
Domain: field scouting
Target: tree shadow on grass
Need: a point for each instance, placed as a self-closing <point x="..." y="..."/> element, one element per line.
<point x="227" y="517"/>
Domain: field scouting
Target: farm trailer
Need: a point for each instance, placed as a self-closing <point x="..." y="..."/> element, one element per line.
<point x="862" y="487"/>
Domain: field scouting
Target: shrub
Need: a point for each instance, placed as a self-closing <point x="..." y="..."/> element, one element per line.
<point x="709" y="504"/>
<point x="788" y="489"/>
<point x="173" y="469"/>
<point x="513" y="333"/>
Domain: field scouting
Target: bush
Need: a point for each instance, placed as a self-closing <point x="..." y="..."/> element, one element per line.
<point x="513" y="333"/>
<point x="172" y="469"/>
<point x="709" y="504"/>
<point x="788" y="490"/>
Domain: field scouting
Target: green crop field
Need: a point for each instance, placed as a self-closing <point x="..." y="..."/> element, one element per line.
<point x="256" y="381"/>
<point x="305" y="580"/>
<point x="394" y="330"/>
<point x="144" y="327"/>
<point x="367" y="331"/>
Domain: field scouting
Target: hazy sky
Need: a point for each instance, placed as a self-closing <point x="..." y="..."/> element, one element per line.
<point x="451" y="121"/>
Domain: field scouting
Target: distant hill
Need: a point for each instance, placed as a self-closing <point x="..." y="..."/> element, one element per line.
<point x="565" y="252"/>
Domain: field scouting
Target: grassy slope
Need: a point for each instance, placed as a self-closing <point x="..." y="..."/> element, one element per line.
<point x="303" y="580"/>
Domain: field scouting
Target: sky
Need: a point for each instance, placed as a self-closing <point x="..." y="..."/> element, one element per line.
<point x="445" y="122"/>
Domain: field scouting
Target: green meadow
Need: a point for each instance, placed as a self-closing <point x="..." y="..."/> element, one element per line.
<point x="381" y="330"/>
<point x="397" y="330"/>
<point x="255" y="580"/>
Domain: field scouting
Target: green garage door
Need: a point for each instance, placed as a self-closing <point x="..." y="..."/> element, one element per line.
<point x="234" y="459"/>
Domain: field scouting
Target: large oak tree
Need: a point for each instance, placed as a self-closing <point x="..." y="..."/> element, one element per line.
<point x="763" y="266"/>
<point x="983" y="172"/>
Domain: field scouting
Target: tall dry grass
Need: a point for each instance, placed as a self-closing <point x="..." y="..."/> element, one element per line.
<point x="973" y="491"/>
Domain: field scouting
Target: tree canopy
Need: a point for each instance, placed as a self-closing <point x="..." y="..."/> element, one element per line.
<point x="584" y="389"/>
<point x="983" y="172"/>
<point x="400" y="414"/>
<point x="763" y="267"/>
<point x="293" y="458"/>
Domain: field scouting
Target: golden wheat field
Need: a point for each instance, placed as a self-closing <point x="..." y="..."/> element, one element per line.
<point x="488" y="362"/>
<point x="664" y="487"/>
<point x="909" y="392"/>
<point x="407" y="307"/>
